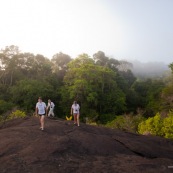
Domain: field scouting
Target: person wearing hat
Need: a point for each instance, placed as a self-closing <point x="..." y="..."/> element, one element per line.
<point x="41" y="111"/>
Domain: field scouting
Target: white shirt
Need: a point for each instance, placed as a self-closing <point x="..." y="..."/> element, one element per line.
<point x="75" y="108"/>
<point x="51" y="105"/>
<point x="41" y="108"/>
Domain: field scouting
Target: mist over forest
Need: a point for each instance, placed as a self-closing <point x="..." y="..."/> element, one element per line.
<point x="149" y="69"/>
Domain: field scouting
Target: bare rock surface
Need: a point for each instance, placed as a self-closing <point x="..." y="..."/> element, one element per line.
<point x="65" y="148"/>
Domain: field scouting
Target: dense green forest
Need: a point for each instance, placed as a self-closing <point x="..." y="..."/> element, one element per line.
<point x="105" y="88"/>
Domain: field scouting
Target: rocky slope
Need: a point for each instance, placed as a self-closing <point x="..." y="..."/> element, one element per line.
<point x="65" y="148"/>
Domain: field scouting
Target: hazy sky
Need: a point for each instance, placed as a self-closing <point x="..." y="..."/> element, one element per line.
<point x="123" y="29"/>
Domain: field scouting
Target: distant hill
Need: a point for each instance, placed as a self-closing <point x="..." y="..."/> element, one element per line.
<point x="65" y="148"/>
<point x="150" y="69"/>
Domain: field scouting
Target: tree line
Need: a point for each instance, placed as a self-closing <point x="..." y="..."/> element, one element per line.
<point x="104" y="87"/>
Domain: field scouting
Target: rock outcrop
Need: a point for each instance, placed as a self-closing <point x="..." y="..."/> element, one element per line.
<point x="65" y="148"/>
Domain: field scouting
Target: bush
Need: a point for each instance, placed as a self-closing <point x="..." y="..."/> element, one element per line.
<point x="158" y="126"/>
<point x="5" y="106"/>
<point x="1" y="118"/>
<point x="118" y="123"/>
<point x="167" y="128"/>
<point x="17" y="114"/>
<point x="105" y="118"/>
<point x="91" y="117"/>
<point x="132" y="122"/>
<point x="153" y="125"/>
<point x="126" y="122"/>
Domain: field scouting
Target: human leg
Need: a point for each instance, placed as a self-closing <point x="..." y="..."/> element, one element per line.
<point x="75" y="118"/>
<point x="78" y="115"/>
<point x="53" y="113"/>
<point x="42" y="122"/>
<point x="49" y="113"/>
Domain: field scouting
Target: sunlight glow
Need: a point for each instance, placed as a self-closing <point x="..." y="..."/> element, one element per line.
<point x="123" y="29"/>
<point x="50" y="26"/>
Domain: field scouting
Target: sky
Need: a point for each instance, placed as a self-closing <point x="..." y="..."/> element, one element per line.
<point x="123" y="29"/>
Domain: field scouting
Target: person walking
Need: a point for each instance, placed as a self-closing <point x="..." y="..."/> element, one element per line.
<point x="41" y="111"/>
<point x="50" y="106"/>
<point x="75" y="112"/>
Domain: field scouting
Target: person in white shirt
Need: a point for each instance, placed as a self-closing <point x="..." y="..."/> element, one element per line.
<point x="75" y="112"/>
<point x="41" y="111"/>
<point x="50" y="106"/>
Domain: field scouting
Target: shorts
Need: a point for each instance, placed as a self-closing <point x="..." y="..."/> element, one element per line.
<point x="76" y="113"/>
<point x="41" y="115"/>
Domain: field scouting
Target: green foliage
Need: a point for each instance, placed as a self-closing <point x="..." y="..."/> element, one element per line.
<point x="152" y="125"/>
<point x="26" y="92"/>
<point x="103" y="86"/>
<point x="147" y="95"/>
<point x="171" y="67"/>
<point x="17" y="114"/>
<point x="158" y="126"/>
<point x="126" y="122"/>
<point x="60" y="61"/>
<point x="5" y="106"/>
<point x="100" y="58"/>
<point x="105" y="118"/>
<point x="1" y="118"/>
<point x="167" y="128"/>
<point x="93" y="86"/>
<point x="118" y="123"/>
<point x="153" y="98"/>
<point x="167" y="96"/>
<point x="4" y="92"/>
<point x="91" y="117"/>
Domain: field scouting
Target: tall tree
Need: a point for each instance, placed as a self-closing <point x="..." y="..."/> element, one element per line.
<point x="94" y="86"/>
<point x="59" y="64"/>
<point x="124" y="65"/>
<point x="60" y="61"/>
<point x="26" y="92"/>
<point x="8" y="60"/>
<point x="100" y="58"/>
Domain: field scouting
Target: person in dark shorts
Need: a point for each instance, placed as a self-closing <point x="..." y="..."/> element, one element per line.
<point x="41" y="111"/>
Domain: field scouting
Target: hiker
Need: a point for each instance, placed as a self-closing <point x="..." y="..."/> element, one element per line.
<point x="50" y="106"/>
<point x="75" y="112"/>
<point x="41" y="111"/>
